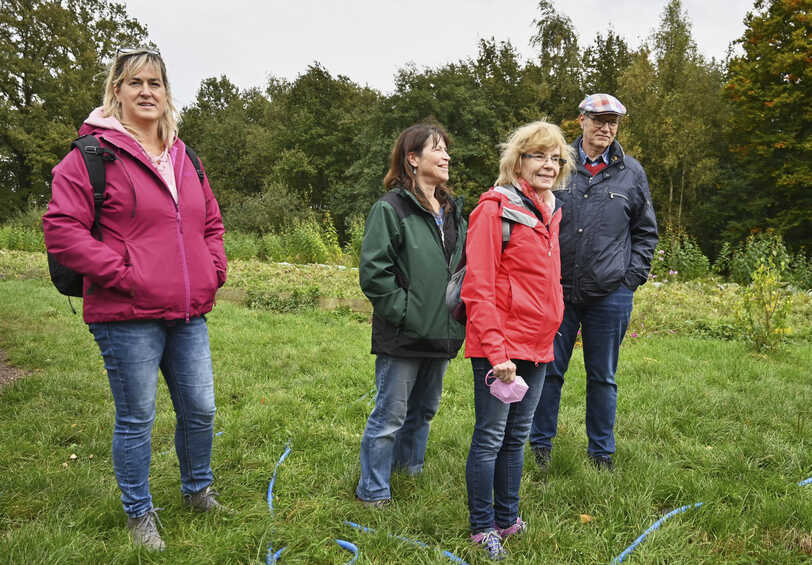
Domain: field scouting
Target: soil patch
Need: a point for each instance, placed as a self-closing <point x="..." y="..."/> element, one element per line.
<point x="8" y="374"/>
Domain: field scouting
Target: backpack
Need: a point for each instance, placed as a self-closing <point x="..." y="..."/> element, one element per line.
<point x="68" y="281"/>
<point x="453" y="301"/>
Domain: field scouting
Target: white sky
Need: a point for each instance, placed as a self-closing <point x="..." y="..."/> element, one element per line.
<point x="369" y="40"/>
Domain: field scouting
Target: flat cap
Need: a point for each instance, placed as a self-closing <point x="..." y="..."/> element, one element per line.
<point x="602" y="104"/>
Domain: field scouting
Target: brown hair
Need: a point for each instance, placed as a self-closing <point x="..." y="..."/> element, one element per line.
<point x="126" y="65"/>
<point x="400" y="174"/>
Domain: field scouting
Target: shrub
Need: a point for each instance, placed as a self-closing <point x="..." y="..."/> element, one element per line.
<point x="765" y="247"/>
<point x="241" y="245"/>
<point x="21" y="238"/>
<point x="678" y="256"/>
<point x="270" y="211"/>
<point x="355" y="236"/>
<point x="272" y="247"/>
<point x="764" y="307"/>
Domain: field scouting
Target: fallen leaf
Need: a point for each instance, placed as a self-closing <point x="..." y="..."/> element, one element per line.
<point x="585" y="518"/>
<point x="65" y="464"/>
<point x="649" y="359"/>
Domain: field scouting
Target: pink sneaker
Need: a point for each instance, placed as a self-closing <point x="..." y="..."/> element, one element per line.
<point x="518" y="528"/>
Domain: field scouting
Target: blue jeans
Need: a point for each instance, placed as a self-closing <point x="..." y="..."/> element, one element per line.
<point x="133" y="351"/>
<point x="493" y="472"/>
<point x="603" y="325"/>
<point x="397" y="431"/>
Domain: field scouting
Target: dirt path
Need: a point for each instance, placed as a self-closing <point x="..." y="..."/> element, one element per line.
<point x="8" y="374"/>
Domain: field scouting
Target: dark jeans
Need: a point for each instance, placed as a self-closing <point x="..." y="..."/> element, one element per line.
<point x="603" y="325"/>
<point x="493" y="472"/>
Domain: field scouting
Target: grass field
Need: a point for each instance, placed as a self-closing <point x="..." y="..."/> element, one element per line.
<point x="699" y="420"/>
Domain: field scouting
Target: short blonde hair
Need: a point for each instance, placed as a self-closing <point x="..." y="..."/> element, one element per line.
<point x="125" y="66"/>
<point x="531" y="138"/>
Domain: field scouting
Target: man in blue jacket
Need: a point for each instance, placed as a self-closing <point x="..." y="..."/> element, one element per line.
<point x="607" y="239"/>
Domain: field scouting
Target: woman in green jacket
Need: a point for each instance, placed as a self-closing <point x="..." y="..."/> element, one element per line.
<point x="414" y="236"/>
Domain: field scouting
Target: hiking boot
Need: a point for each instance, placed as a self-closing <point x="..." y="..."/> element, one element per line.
<point x="602" y="462"/>
<point x="543" y="456"/>
<point x="204" y="500"/>
<point x="144" y="531"/>
<point x="380" y="503"/>
<point x="491" y="542"/>
<point x="518" y="528"/>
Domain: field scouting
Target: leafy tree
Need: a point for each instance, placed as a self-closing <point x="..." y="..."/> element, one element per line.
<point x="769" y="88"/>
<point x="676" y="113"/>
<point x="604" y="62"/>
<point x="50" y="78"/>
<point x="559" y="59"/>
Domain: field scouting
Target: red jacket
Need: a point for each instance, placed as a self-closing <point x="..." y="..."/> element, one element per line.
<point x="157" y="259"/>
<point x="512" y="297"/>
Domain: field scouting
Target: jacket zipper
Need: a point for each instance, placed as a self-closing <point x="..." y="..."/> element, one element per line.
<point x="613" y="194"/>
<point x="186" y="284"/>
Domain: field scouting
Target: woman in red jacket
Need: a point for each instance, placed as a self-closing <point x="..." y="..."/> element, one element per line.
<point x="512" y="295"/>
<point x="149" y="278"/>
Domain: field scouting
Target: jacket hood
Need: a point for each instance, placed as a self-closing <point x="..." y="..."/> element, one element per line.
<point x="97" y="120"/>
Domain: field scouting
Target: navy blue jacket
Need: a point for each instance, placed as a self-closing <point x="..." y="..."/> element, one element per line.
<point x="608" y="228"/>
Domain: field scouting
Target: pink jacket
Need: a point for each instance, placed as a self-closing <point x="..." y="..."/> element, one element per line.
<point x="157" y="259"/>
<point x="513" y="297"/>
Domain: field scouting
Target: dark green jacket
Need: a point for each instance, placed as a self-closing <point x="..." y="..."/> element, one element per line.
<point x="404" y="271"/>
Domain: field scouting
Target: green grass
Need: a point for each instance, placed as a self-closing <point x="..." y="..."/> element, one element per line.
<point x="698" y="420"/>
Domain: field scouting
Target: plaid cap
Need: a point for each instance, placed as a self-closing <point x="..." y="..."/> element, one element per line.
<point x="602" y="104"/>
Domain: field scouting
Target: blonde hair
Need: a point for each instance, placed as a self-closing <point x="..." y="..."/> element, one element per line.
<point x="531" y="138"/>
<point x="126" y="65"/>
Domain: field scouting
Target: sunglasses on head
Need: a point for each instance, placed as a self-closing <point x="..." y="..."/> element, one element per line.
<point x="127" y="51"/>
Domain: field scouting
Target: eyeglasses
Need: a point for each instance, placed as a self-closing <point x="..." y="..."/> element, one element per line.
<point x="542" y="158"/>
<point x="127" y="51"/>
<point x="604" y="121"/>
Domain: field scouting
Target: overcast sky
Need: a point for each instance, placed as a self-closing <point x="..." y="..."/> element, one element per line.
<point x="369" y="40"/>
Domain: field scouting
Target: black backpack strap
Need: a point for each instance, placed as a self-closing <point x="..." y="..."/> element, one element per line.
<point x="95" y="157"/>
<point x="196" y="162"/>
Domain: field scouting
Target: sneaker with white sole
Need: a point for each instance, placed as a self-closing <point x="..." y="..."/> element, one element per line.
<point x="491" y="542"/>
<point x="144" y="531"/>
<point x="204" y="500"/>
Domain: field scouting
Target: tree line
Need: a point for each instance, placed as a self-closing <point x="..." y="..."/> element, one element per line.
<point x="726" y="144"/>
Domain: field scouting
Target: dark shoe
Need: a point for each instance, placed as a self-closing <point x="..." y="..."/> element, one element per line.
<point x="144" y="531"/>
<point x="204" y="500"/>
<point x="602" y="462"/>
<point x="381" y="503"/>
<point x="543" y="456"/>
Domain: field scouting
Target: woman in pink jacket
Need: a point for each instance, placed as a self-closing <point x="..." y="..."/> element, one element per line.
<point x="512" y="295"/>
<point x="150" y="275"/>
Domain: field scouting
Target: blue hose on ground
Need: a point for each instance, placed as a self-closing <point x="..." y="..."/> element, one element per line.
<point x="447" y="554"/>
<point x="805" y="482"/>
<point x="273" y="557"/>
<point x="351" y="547"/>
<point x="625" y="553"/>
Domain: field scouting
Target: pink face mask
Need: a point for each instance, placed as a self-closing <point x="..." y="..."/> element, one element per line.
<point x="506" y="392"/>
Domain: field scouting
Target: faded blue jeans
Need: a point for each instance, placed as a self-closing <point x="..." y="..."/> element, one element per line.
<point x="603" y="325"/>
<point x="133" y="352"/>
<point x="493" y="472"/>
<point x="397" y="431"/>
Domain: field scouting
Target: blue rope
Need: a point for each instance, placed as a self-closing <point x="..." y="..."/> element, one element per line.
<point x="805" y="482"/>
<point x="273" y="557"/>
<point x="417" y="543"/>
<point x="625" y="553"/>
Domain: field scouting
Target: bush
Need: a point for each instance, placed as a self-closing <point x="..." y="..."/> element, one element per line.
<point x="355" y="236"/>
<point x="21" y="238"/>
<point x="764" y="308"/>
<point x="764" y="248"/>
<point x="270" y="211"/>
<point x="678" y="256"/>
<point x="241" y="245"/>
<point x="272" y="248"/>
<point x="308" y="242"/>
